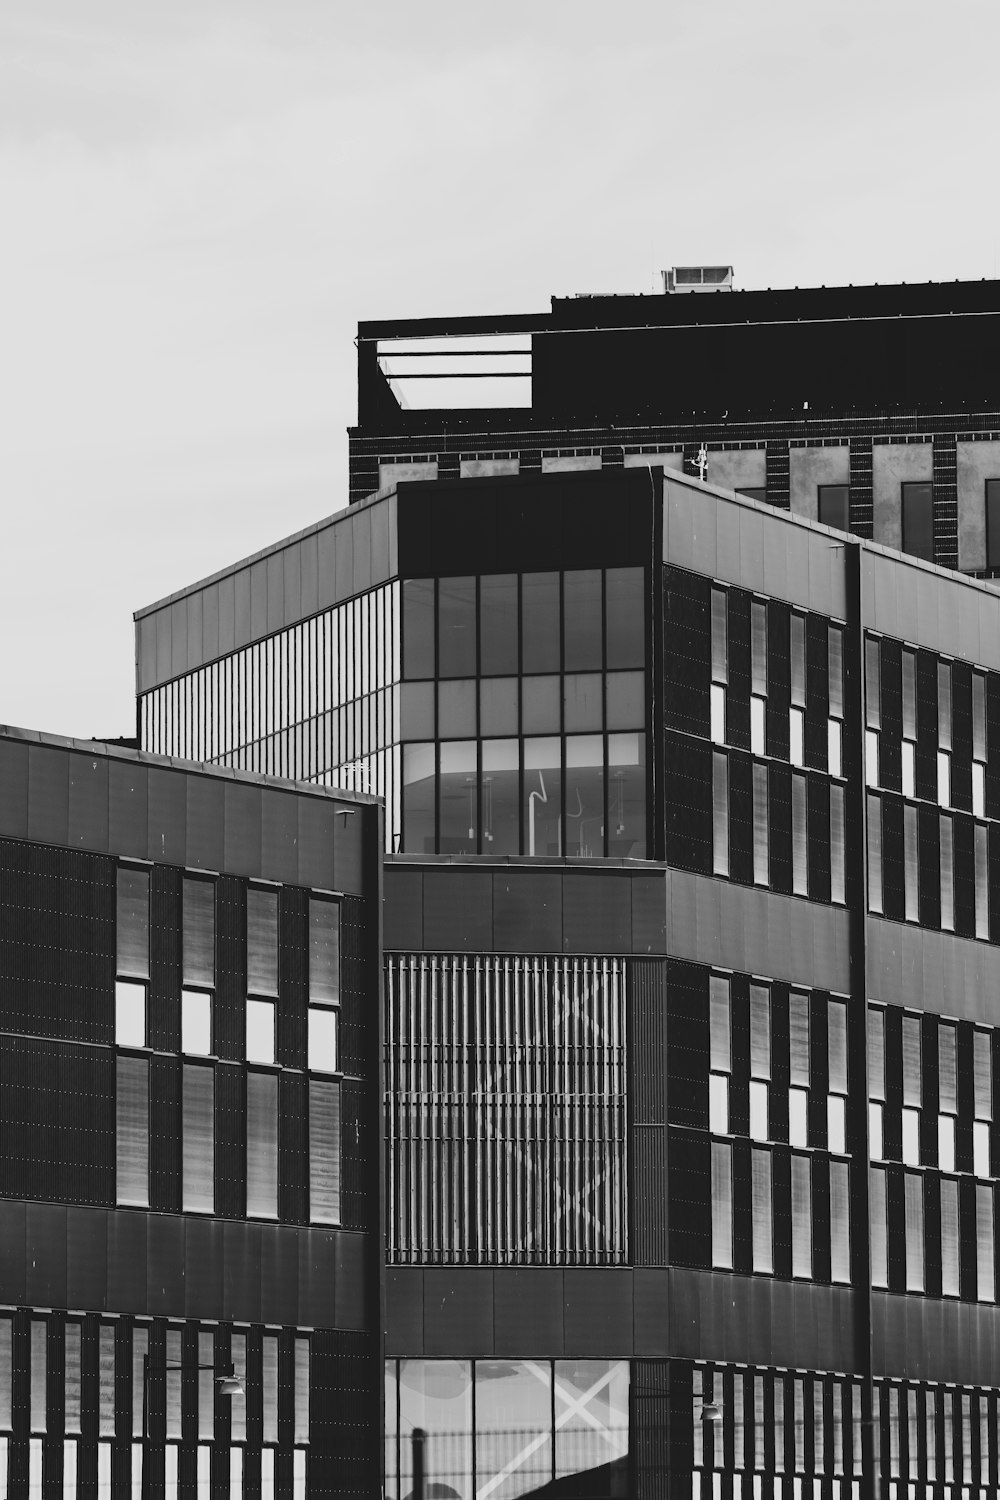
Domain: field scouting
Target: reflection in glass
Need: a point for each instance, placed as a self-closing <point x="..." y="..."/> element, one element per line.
<point x="513" y="1427"/>
<point x="584" y="795"/>
<point x="540" y="622"/>
<point x="418" y="799"/>
<point x="417" y="711"/>
<point x="436" y="1394"/>
<point x="542" y="797"/>
<point x="627" y="796"/>
<point x="500" y="799"/>
<point x="582" y="620"/>
<point x="498" y="624"/>
<point x="418" y="627"/>
<point x="626" y="696"/>
<point x="624" y="604"/>
<point x="130" y="1014"/>
<point x="391" y="1429"/>
<point x="457" y="627"/>
<point x="591" y="1402"/>
<point x="457" y="791"/>
<point x="457" y="708"/>
<point x="196" y="1022"/>
<point x="260" y="1031"/>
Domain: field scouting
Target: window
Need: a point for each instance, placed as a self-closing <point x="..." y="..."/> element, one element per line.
<point x="196" y="1022"/>
<point x="911" y="865"/>
<point x="262" y="941"/>
<point x="199" y="933"/>
<point x="834" y="744"/>
<point x="993" y="523"/>
<point x="909" y="768"/>
<point x="260" y="1031"/>
<point x="801" y="1216"/>
<point x="796" y="736"/>
<point x="833" y="505"/>
<point x="198" y="1103"/>
<point x="913" y="1206"/>
<point x="262" y="1145"/>
<point x="949" y="1238"/>
<point x="718" y="713"/>
<point x="840" y="1222"/>
<point x="800" y="863"/>
<point x="130" y="1013"/>
<point x="722" y="1206"/>
<point x="871" y="757"/>
<point x="985" y="1263"/>
<point x="132" y="1131"/>
<point x="132" y="962"/>
<point x="918" y="520"/>
<point x="761" y="855"/>
<point x="879" y="1238"/>
<point x="720" y="1055"/>
<point x="763" y="1240"/>
<point x="947" y="875"/>
<point x="324" y="1151"/>
<point x="720" y="814"/>
<point x="324" y="985"/>
<point x="874" y="854"/>
<point x="983" y="1101"/>
<point x="760" y="1060"/>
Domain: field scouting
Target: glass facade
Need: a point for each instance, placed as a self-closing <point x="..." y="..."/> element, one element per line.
<point x="505" y="1428"/>
<point x="506" y="1110"/>
<point x="524" y="714"/>
<point x="317" y="702"/>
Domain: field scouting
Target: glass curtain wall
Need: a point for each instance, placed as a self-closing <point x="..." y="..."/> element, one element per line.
<point x="318" y="702"/>
<point x="524" y="714"/>
<point x="504" y="1428"/>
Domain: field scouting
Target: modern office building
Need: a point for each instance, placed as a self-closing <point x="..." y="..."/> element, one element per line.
<point x="692" y="922"/>
<point x="872" y="409"/>
<point x="189" y="1091"/>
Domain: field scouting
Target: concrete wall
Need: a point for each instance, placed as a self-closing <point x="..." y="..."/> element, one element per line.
<point x="396" y="473"/>
<point x="808" y="468"/>
<point x="737" y="468"/>
<point x="674" y="461"/>
<point x="487" y="468"/>
<point x="977" y="462"/>
<point x="917" y="602"/>
<point x="894" y="464"/>
<point x="570" y="463"/>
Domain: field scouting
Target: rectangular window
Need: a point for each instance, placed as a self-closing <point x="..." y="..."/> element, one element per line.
<point x="834" y="756"/>
<point x="911" y="1137"/>
<point x="879" y="1243"/>
<point x="913" y="1204"/>
<point x="720" y="643"/>
<point x="912" y="1062"/>
<point x="760" y="1031"/>
<point x="985" y="1263"/>
<point x="949" y="1238"/>
<point x="324" y="1152"/>
<point x="797" y="664"/>
<point x="39" y="1366"/>
<point x="874" y="854"/>
<point x="840" y="1223"/>
<point x="837" y="1046"/>
<point x="801" y="1216"/>
<point x="982" y="1068"/>
<point x="133" y="922"/>
<point x="199" y="1139"/>
<point x="909" y="695"/>
<point x="758" y="710"/>
<point x="944" y="778"/>
<point x="130" y="1013"/>
<point x="993" y="523"/>
<point x="323" y="1039"/>
<point x="718" y="1104"/>
<point x="838" y="867"/>
<point x="260" y="1031"/>
<point x="835" y="670"/>
<point x="262" y="1145"/>
<point x="722" y="1206"/>
<point x="800" y="862"/>
<point x="871" y="757"/>
<point x="720" y="815"/>
<point x="982" y="881"/>
<point x="876" y="1053"/>
<point x="981" y="1148"/>
<point x="199" y="932"/>
<point x="196" y="1022"/>
<point x="875" y="1130"/>
<point x="761" y="863"/>
<point x="946" y="1143"/>
<point x="269" y="1387"/>
<point x="798" y="1117"/>
<point x="763" y="1242"/>
<point x="947" y="876"/>
<point x="911" y="867"/>
<point x="944" y="704"/>
<point x="718" y="714"/>
<point x="798" y="1039"/>
<point x="836" y="1124"/>
<point x="324" y="951"/>
<point x="759" y="1110"/>
<point x="978" y="789"/>
<point x="796" y="733"/>
<point x="758" y="648"/>
<point x="909" y="768"/>
<point x="262" y="941"/>
<point x="918" y="520"/>
<point x="72" y="1356"/>
<point x="873" y="683"/>
<point x="833" y="505"/>
<point x="106" y="1381"/>
<point x="979" y="717"/>
<point x="132" y="1132"/>
<point x="301" y="1432"/>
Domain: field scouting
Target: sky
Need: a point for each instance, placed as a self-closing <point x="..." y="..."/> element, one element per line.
<point x="202" y="199"/>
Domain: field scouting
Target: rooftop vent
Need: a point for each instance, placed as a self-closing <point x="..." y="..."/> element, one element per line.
<point x="698" y="279"/>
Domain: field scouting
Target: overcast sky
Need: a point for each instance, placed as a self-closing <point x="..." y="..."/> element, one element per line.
<point x="200" y="200"/>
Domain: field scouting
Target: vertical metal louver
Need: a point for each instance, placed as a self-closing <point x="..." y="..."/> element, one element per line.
<point x="505" y="1109"/>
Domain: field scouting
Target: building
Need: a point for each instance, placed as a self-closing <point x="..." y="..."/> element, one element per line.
<point x="692" y="915"/>
<point x="872" y="409"/>
<point x="189" y="1043"/>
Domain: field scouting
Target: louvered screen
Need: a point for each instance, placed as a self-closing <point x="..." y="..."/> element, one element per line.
<point x="39" y="1367"/>
<point x="262" y="942"/>
<point x="840" y="1222"/>
<point x="985" y="1263"/>
<point x="837" y="1046"/>
<point x="877" y="1219"/>
<point x="798" y="1039"/>
<point x="719" y="1026"/>
<point x="873" y="672"/>
<point x="324" y="951"/>
<point x="269" y="1387"/>
<point x="911" y="1061"/>
<point x="911" y="864"/>
<point x="199" y="932"/>
<point x="720" y="814"/>
<point x="133" y="922"/>
<point x="72" y="1378"/>
<point x="946" y="1068"/>
<point x="876" y="1053"/>
<point x="802" y="1236"/>
<point x="132" y="1131"/>
<point x="722" y="1206"/>
<point x="758" y="648"/>
<point x="800" y="858"/>
<point x="262" y="1145"/>
<point x="949" y="1237"/>
<point x="720" y="647"/>
<point x="874" y="853"/>
<point x="199" y="1139"/>
<point x="106" y="1381"/>
<point x="506" y="1115"/>
<point x="797" y="664"/>
<point x="913" y="1207"/>
<point x="763" y="1248"/>
<point x="324" y="1152"/>
<point x="944" y="704"/>
<point x="761" y="864"/>
<point x="982" y="1064"/>
<point x="835" y="670"/>
<point x="947" y="875"/>
<point x="760" y="1031"/>
<point x="301" y="1432"/>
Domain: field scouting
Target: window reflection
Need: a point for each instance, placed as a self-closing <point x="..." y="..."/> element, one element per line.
<point x="582" y="620"/>
<point x="436" y="1395"/>
<point x="498" y="624"/>
<point x="584" y="795"/>
<point x="625" y="607"/>
<point x="542" y="797"/>
<point x="457" y="627"/>
<point x="457" y="789"/>
<point x="540" y="622"/>
<point x="418" y="799"/>
<point x="500" y="797"/>
<point x="627" y="796"/>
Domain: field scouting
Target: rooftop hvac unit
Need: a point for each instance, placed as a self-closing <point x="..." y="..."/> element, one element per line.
<point x="698" y="279"/>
